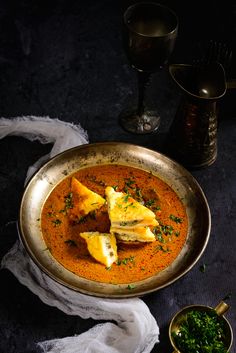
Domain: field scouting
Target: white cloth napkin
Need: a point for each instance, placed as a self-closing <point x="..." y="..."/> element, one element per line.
<point x="136" y="330"/>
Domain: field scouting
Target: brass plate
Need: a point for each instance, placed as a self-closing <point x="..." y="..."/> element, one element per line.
<point x="70" y="161"/>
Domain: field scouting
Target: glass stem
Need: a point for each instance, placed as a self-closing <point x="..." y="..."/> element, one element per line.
<point x="143" y="80"/>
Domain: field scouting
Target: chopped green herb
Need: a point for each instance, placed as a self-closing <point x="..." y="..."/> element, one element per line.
<point x="166" y="229"/>
<point x="159" y="236"/>
<point x="125" y="261"/>
<point x="131" y="286"/>
<point x="201" y="332"/>
<point x="176" y="219"/>
<point x="161" y="248"/>
<point x="138" y="194"/>
<point x="69" y="200"/>
<point x="126" y="198"/>
<point x="149" y="203"/>
<point x="129" y="182"/>
<point x="129" y="205"/>
<point x="202" y="268"/>
<point x="56" y="222"/>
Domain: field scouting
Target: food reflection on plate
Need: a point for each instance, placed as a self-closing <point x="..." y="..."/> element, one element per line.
<point x="114" y="224"/>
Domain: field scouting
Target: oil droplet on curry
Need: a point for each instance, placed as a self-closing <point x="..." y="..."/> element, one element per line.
<point x="135" y="262"/>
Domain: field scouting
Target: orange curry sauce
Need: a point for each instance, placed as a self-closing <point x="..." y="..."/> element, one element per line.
<point x="135" y="262"/>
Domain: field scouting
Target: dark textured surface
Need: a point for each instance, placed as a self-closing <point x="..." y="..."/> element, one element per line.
<point x="64" y="59"/>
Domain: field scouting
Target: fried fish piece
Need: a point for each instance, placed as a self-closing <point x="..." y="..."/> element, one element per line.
<point x="127" y="213"/>
<point x="84" y="199"/>
<point x="101" y="246"/>
<point x="138" y="234"/>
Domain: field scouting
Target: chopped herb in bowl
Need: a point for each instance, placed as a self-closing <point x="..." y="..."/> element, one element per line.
<point x="201" y="332"/>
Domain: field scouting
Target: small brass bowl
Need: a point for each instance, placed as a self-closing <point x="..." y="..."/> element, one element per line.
<point x="180" y="317"/>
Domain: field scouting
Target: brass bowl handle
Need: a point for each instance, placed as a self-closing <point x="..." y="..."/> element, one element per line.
<point x="222" y="308"/>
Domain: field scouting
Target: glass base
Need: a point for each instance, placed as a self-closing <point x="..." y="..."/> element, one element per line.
<point x="147" y="123"/>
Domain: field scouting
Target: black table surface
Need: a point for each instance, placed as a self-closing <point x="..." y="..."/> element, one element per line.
<point x="64" y="59"/>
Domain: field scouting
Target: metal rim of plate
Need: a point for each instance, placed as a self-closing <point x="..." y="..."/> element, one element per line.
<point x="70" y="161"/>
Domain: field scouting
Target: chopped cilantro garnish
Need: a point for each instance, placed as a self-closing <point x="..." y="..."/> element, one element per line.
<point x="161" y="248"/>
<point x="159" y="236"/>
<point x="149" y="203"/>
<point x="129" y="182"/>
<point x="202" y="268"/>
<point x="125" y="261"/>
<point x="126" y="198"/>
<point x="138" y="193"/>
<point x="176" y="219"/>
<point x="166" y="229"/>
<point x="68" y="201"/>
<point x="201" y="332"/>
<point x="56" y="222"/>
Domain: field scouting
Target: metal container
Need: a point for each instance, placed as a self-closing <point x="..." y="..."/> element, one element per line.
<point x="220" y="309"/>
<point x="193" y="133"/>
<point x="72" y="160"/>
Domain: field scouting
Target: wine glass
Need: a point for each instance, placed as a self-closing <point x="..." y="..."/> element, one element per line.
<point x="149" y="35"/>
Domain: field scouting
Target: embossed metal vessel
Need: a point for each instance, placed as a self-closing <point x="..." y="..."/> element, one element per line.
<point x="180" y="317"/>
<point x="194" y="129"/>
<point x="70" y="161"/>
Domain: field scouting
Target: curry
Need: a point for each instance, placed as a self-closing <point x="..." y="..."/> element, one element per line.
<point x="61" y="229"/>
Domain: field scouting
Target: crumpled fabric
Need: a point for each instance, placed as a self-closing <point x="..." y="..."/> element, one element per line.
<point x="133" y="328"/>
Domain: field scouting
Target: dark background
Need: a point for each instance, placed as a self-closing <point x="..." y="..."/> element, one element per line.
<point x="64" y="59"/>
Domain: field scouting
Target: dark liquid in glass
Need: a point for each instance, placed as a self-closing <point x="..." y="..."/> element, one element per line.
<point x="149" y="34"/>
<point x="148" y="40"/>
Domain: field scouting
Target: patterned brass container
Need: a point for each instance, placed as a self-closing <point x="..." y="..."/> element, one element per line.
<point x="220" y="310"/>
<point x="193" y="133"/>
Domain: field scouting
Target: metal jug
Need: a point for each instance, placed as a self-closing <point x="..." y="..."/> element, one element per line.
<point x="193" y="133"/>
